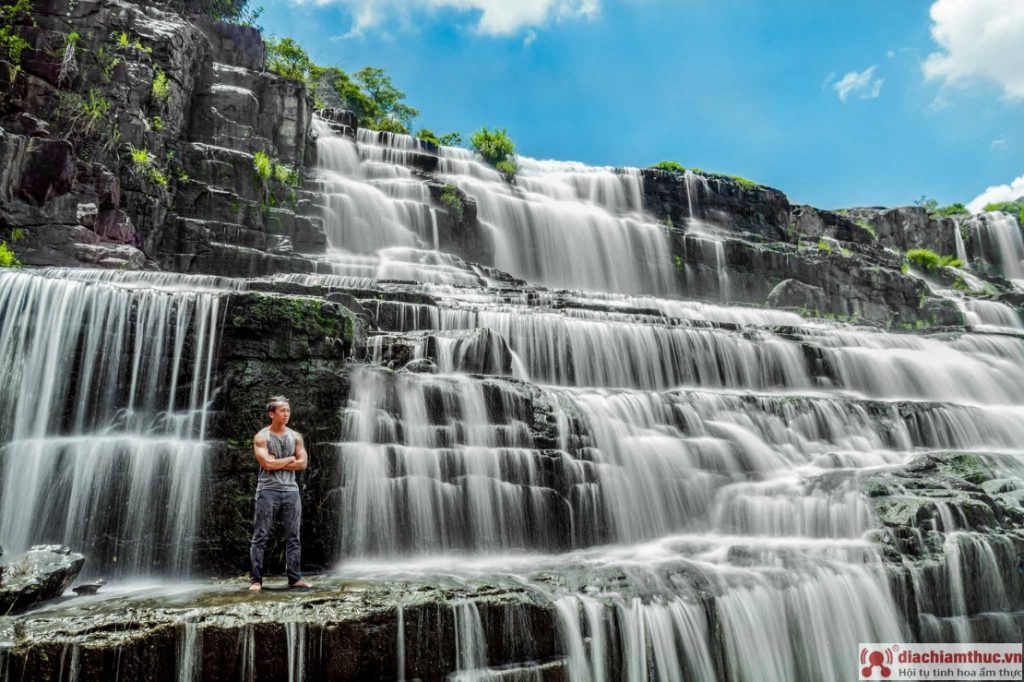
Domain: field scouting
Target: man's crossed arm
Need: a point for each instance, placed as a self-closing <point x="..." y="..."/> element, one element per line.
<point x="297" y="462"/>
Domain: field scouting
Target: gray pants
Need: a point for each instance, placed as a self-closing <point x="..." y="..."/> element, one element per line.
<point x="268" y="504"/>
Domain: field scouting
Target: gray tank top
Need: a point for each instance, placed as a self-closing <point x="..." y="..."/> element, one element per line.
<point x="279" y="447"/>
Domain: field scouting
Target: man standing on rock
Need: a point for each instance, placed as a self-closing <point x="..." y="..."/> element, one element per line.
<point x="280" y="453"/>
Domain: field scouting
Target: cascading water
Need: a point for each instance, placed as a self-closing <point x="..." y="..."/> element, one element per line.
<point x="561" y="224"/>
<point x="685" y="487"/>
<point x="105" y="379"/>
<point x="691" y="473"/>
<point x="999" y="242"/>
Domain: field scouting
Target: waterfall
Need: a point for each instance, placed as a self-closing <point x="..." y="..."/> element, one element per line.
<point x="105" y="379"/>
<point x="561" y="224"/>
<point x="997" y="239"/>
<point x="682" y="482"/>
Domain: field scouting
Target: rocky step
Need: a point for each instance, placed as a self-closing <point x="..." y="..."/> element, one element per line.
<point x="343" y="630"/>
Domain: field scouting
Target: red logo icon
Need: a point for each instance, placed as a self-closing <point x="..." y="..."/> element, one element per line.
<point x="876" y="659"/>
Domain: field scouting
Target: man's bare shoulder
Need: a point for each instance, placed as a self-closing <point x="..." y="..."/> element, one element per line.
<point x="260" y="438"/>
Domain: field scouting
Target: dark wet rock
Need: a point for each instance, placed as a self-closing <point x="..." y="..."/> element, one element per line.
<point x="49" y="170"/>
<point x="42" y="573"/>
<point x="740" y="206"/>
<point x="342" y="631"/>
<point x="86" y="589"/>
<point x="909" y="227"/>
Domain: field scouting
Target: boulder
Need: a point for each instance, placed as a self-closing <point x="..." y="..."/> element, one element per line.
<point x="42" y="573"/>
<point x="792" y="293"/>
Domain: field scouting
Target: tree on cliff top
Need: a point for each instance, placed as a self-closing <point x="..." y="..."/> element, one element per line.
<point x="369" y="92"/>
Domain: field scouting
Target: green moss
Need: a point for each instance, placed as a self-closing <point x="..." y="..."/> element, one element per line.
<point x="823" y="245"/>
<point x="678" y="261"/>
<point x="670" y="166"/>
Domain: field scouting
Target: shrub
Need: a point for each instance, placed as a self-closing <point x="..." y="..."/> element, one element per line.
<point x="11" y="42"/>
<point x="448" y="140"/>
<point x="451" y="198"/>
<point x="497" y="148"/>
<point x="262" y="165"/>
<point x="670" y="166"/>
<point x="823" y="245"/>
<point x="929" y="261"/>
<point x="156" y="123"/>
<point x="161" y="85"/>
<point x="95" y="107"/>
<point x="508" y="169"/>
<point x="493" y="145"/>
<point x="286" y="175"/>
<point x="951" y="210"/>
<point x="157" y="176"/>
<point x="7" y="257"/>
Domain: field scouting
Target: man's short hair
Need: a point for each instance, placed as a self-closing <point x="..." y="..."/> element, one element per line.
<point x="276" y="402"/>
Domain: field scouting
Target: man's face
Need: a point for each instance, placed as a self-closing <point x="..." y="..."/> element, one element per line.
<point x="281" y="415"/>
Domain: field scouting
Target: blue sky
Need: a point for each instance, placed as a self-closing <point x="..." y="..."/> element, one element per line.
<point x="860" y="102"/>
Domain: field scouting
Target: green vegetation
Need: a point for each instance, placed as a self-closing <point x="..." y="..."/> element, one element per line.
<point x="452" y="200"/>
<point x="904" y="267"/>
<point x="1012" y="207"/>
<point x="951" y="210"/>
<point x="447" y="140"/>
<point x="141" y="158"/>
<point x="935" y="211"/>
<point x="497" y="149"/>
<point x="262" y="165"/>
<point x="161" y="85"/>
<point x="960" y="285"/>
<point x="95" y="107"/>
<point x="670" y="166"/>
<point x="124" y="42"/>
<point x="678" y="262"/>
<point x="7" y="257"/>
<point x="108" y="62"/>
<point x="286" y="175"/>
<point x="12" y="44"/>
<point x="369" y="92"/>
<point x="233" y="11"/>
<point x="929" y="261"/>
<point x="749" y="184"/>
<point x="823" y="245"/>
<point x="144" y="162"/>
<point x="867" y="227"/>
<point x="156" y="123"/>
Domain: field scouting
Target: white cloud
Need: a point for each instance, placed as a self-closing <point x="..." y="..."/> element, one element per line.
<point x="1000" y="142"/>
<point x="529" y="38"/>
<point x="1010" y="192"/>
<point x="497" y="17"/>
<point x="864" y="84"/>
<point x="980" y="40"/>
